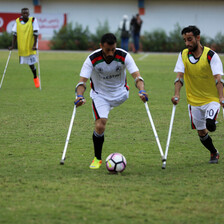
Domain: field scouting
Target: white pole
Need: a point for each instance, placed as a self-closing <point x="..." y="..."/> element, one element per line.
<point x="154" y="131"/>
<point x="68" y="136"/>
<point x="5" y="68"/>
<point x="169" y="136"/>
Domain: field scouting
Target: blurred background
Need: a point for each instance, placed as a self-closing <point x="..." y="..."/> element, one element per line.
<point x="78" y="25"/>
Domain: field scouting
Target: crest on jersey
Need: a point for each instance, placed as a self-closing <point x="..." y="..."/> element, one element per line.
<point x="100" y="70"/>
<point x="118" y="68"/>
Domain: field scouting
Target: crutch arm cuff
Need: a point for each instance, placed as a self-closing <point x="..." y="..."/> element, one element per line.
<point x="80" y="84"/>
<point x="181" y="80"/>
<point x="137" y="79"/>
<point x="220" y="81"/>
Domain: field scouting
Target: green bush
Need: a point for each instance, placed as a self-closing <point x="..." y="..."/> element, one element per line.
<point x="175" y="40"/>
<point x="155" y="41"/>
<point x="217" y="44"/>
<point x="96" y="38"/>
<point x="5" y="40"/>
<point x="68" y="38"/>
<point x="78" y="38"/>
<point x="159" y="41"/>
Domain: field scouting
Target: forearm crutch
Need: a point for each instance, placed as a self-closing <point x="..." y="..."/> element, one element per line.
<point x="5" y="68"/>
<point x="154" y="131"/>
<point x="169" y="136"/>
<point x="68" y="136"/>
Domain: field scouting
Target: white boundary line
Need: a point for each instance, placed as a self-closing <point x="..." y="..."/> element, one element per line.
<point x="143" y="56"/>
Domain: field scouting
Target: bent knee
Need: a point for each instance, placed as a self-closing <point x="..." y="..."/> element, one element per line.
<point x="100" y="126"/>
<point x="210" y="124"/>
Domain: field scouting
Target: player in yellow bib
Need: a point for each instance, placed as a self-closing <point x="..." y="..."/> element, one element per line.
<point x="201" y="69"/>
<point x="25" y="32"/>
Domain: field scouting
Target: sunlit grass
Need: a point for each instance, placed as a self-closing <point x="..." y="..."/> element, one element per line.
<point x="34" y="188"/>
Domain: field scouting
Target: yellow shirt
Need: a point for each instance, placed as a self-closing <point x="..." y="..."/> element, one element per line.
<point x="199" y="80"/>
<point x="25" y="38"/>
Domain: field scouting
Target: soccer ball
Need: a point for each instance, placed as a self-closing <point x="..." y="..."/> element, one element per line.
<point x="116" y="162"/>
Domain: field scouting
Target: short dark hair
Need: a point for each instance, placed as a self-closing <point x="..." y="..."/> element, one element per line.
<point x="192" y="29"/>
<point x="23" y="9"/>
<point x="108" y="38"/>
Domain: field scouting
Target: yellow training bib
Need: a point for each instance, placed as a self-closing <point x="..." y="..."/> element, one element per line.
<point x="199" y="80"/>
<point x="25" y="38"/>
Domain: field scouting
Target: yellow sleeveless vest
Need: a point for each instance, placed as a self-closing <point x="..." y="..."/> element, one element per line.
<point x="199" y="80"/>
<point x="25" y="38"/>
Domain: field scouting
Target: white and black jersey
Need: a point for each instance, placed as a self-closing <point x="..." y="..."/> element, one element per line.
<point x="108" y="80"/>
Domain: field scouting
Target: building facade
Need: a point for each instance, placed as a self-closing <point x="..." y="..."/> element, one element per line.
<point x="156" y="14"/>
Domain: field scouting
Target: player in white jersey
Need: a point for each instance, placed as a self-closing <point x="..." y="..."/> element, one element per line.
<point x="25" y="32"/>
<point x="201" y="69"/>
<point x="106" y="69"/>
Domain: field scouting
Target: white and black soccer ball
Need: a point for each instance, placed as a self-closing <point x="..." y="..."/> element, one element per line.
<point x="116" y="162"/>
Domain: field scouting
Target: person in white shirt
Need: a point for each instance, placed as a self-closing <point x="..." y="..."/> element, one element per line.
<point x="25" y="33"/>
<point x="106" y="69"/>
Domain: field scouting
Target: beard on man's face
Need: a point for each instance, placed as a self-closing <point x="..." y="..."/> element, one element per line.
<point x="193" y="48"/>
<point x="109" y="58"/>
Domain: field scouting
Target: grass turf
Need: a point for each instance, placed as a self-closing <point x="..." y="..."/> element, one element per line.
<point x="34" y="188"/>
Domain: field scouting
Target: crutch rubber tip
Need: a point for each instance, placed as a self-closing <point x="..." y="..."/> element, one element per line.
<point x="163" y="166"/>
<point x="62" y="162"/>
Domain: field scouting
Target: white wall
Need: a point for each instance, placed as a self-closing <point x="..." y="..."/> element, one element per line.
<point x="92" y="13"/>
<point x="207" y="15"/>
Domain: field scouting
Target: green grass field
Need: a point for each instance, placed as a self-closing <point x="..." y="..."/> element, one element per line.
<point x="34" y="188"/>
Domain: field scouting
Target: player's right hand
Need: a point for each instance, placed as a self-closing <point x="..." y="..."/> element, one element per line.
<point x="143" y="95"/>
<point x="175" y="100"/>
<point x="10" y="48"/>
<point x="222" y="102"/>
<point x="79" y="101"/>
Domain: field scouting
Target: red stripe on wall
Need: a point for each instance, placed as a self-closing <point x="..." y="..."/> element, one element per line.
<point x="37" y="9"/>
<point x="65" y="19"/>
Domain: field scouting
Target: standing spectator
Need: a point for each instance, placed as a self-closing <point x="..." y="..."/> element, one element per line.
<point x="136" y="24"/>
<point x="106" y="69"/>
<point x="201" y="69"/>
<point x="125" y="32"/>
<point x="25" y="32"/>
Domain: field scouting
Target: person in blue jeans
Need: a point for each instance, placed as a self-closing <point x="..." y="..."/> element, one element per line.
<point x="136" y="24"/>
<point x="125" y="32"/>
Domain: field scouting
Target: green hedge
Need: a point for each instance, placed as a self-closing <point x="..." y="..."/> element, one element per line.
<point x="79" y="38"/>
<point x="5" y="40"/>
<point x="155" y="41"/>
<point x="159" y="41"/>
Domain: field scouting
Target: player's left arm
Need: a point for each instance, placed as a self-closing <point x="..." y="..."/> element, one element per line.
<point x="35" y="33"/>
<point x="35" y="42"/>
<point x="139" y="83"/>
<point x="217" y="71"/>
<point x="219" y="85"/>
<point x="80" y="89"/>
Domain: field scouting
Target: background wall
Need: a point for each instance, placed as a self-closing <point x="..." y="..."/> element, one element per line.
<point x="207" y="15"/>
